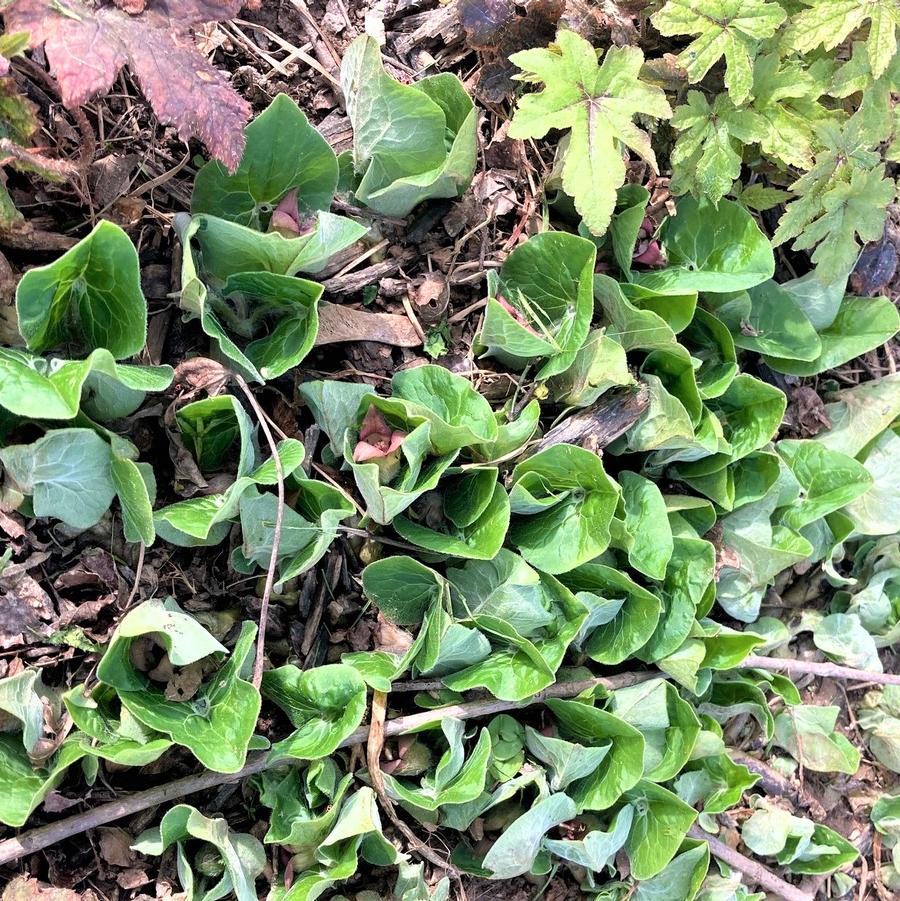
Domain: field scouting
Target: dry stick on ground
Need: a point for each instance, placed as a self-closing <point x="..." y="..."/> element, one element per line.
<point x="44" y="836"/>
<point x="601" y="423"/>
<point x="374" y="746"/>
<point x="760" y="874"/>
<point x="814" y="668"/>
<point x="276" y="535"/>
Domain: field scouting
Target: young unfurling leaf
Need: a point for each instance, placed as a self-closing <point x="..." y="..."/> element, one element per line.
<point x="729" y="28"/>
<point x="597" y="102"/>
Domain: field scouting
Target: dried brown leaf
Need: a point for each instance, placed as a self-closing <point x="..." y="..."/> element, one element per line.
<point x="87" y="46"/>
<point x="115" y="846"/>
<point x="25" y="608"/>
<point x="806" y="414"/>
<point x="499" y="28"/>
<point x="339" y="323"/>
<point x="23" y="888"/>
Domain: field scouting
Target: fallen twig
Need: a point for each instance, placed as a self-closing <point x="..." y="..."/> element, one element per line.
<point x="44" y="836"/>
<point x="374" y="746"/>
<point x="813" y="668"/>
<point x="760" y="874"/>
<point x="276" y="534"/>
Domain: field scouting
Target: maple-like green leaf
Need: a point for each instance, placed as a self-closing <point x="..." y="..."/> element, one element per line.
<point x="597" y="102"/>
<point x="843" y="195"/>
<point x="872" y="117"/>
<point x="729" y="28"/>
<point x="857" y="207"/>
<point x="706" y="159"/>
<point x="785" y="96"/>
<point x="830" y="22"/>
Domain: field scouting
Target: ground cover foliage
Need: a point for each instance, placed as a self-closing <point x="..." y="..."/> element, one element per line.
<point x="634" y="504"/>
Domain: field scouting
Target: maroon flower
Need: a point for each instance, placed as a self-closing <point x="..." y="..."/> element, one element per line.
<point x="516" y="314"/>
<point x="287" y="219"/>
<point x="380" y="444"/>
<point x="646" y="248"/>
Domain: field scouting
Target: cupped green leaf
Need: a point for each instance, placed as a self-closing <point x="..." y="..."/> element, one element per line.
<point x="335" y="406"/>
<point x="216" y="725"/>
<point x="529" y="618"/>
<point x="22" y="787"/>
<point x="644" y="531"/>
<point x="515" y="851"/>
<point x="668" y="723"/>
<point x="456" y="779"/>
<point x="403" y="589"/>
<point x="56" y="389"/>
<point x="795" y="842"/>
<point x="714" y="782"/>
<point x="685" y="592"/>
<point x="215" y="248"/>
<point x="563" y="504"/>
<point x="714" y="249"/>
<point x="474" y="518"/>
<point x="545" y="286"/>
<point x="599" y="366"/>
<point x="661" y="821"/>
<point x="619" y="770"/>
<point x="628" y="324"/>
<point x="308" y="527"/>
<point x="241" y="856"/>
<point x="283" y="152"/>
<point x="89" y="298"/>
<point x="459" y="415"/>
<point x="324" y="704"/>
<point x="765" y="319"/>
<point x="861" y="324"/>
<point x="681" y="878"/>
<point x="597" y="849"/>
<point x="184" y="639"/>
<point x="419" y="468"/>
<point x="622" y="615"/>
<point x="206" y="520"/>
<point x="211" y="427"/>
<point x="305" y="805"/>
<point x="264" y="322"/>
<point x="566" y="761"/>
<point x="109" y="731"/>
<point x="710" y="342"/>
<point x="67" y="473"/>
<point x="410" y="142"/>
<point x="808" y="733"/>
<point x="828" y="480"/>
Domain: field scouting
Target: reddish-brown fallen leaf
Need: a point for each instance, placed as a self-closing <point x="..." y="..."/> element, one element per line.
<point x="86" y="46"/>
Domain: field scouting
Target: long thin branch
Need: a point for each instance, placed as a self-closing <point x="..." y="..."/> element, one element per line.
<point x="812" y="668"/>
<point x="45" y="836"/>
<point x="761" y="875"/>
<point x="276" y="534"/>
